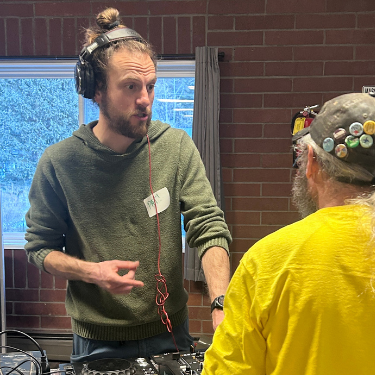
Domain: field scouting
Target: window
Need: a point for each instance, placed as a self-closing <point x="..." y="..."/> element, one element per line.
<point x="40" y="107"/>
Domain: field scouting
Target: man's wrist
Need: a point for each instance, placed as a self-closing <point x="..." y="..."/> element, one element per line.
<point x="217" y="303"/>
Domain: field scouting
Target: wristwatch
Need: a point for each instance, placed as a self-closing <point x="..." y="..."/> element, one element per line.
<point x="217" y="303"/>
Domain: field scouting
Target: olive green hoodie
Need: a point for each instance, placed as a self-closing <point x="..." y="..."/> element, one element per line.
<point x="87" y="200"/>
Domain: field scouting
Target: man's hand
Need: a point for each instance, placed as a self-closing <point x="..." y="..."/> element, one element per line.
<point x="217" y="317"/>
<point x="104" y="274"/>
<point x="107" y="277"/>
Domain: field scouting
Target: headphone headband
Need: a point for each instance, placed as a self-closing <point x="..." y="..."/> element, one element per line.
<point x="84" y="72"/>
<point x="108" y="37"/>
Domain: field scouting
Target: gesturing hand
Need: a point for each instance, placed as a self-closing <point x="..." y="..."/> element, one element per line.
<point x="106" y="276"/>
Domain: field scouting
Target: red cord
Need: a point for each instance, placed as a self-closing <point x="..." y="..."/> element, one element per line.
<point x="161" y="283"/>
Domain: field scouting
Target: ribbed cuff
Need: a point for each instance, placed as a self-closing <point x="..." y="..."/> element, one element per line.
<point x="220" y="242"/>
<point x="37" y="257"/>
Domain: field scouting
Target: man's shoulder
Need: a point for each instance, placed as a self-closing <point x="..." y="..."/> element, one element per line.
<point x="285" y="238"/>
<point x="157" y="127"/>
<point x="160" y="129"/>
<point x="64" y="144"/>
<point x="304" y="233"/>
<point x="61" y="151"/>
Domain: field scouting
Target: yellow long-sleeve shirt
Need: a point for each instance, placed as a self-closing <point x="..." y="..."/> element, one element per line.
<point x="301" y="301"/>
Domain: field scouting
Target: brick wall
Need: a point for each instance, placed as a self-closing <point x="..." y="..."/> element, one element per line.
<point x="35" y="300"/>
<point x="279" y="57"/>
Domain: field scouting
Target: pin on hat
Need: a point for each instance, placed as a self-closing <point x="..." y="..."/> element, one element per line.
<point x="345" y="128"/>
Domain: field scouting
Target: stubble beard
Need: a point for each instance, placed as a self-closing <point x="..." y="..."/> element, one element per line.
<point x="301" y="195"/>
<point x="120" y="122"/>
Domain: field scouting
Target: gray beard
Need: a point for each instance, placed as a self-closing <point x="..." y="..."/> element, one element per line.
<point x="301" y="195"/>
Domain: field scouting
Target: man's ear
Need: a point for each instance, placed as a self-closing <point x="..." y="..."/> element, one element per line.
<point x="98" y="96"/>
<point x="312" y="166"/>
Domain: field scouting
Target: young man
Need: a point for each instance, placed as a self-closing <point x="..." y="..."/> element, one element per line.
<point x="106" y="205"/>
<point x="302" y="299"/>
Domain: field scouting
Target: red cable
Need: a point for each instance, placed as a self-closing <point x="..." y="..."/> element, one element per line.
<point x="161" y="283"/>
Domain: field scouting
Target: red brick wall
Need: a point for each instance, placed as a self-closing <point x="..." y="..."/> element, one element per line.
<point x="35" y="300"/>
<point x="279" y="57"/>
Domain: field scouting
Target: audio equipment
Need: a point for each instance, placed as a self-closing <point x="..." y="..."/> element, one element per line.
<point x="24" y="363"/>
<point x="84" y="72"/>
<point x="179" y="363"/>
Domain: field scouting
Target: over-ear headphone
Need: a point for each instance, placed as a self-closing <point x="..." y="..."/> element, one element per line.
<point x="84" y="72"/>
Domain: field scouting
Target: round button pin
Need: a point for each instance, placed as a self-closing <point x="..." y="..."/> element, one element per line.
<point x="356" y="129"/>
<point x="341" y="150"/>
<point x="328" y="144"/>
<point x="366" y="141"/>
<point x="351" y="141"/>
<point x="369" y="127"/>
<point x="339" y="134"/>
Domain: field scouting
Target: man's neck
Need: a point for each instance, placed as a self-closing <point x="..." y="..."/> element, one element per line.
<point x="337" y="194"/>
<point x="115" y="141"/>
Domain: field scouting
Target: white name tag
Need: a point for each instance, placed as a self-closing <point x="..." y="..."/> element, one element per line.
<point x="162" y="199"/>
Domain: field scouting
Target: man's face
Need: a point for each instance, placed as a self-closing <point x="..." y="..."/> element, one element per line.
<point x="127" y="102"/>
<point x="301" y="194"/>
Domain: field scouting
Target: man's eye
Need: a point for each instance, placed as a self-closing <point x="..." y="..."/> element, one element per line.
<point x="151" y="87"/>
<point x="131" y="87"/>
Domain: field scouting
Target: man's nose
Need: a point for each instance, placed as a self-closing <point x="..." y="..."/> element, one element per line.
<point x="144" y="98"/>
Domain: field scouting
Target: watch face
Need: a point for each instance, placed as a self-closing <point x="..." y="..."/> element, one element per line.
<point x="220" y="300"/>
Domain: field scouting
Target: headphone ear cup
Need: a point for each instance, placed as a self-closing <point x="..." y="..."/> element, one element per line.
<point x="89" y="81"/>
<point x="84" y="79"/>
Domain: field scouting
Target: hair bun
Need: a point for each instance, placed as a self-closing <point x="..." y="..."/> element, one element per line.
<point x="113" y="25"/>
<point x="108" y="19"/>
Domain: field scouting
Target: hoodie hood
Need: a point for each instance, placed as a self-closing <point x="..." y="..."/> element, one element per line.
<point x="86" y="135"/>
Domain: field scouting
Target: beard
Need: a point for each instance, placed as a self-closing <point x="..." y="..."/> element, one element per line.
<point x="301" y="195"/>
<point x="120" y="122"/>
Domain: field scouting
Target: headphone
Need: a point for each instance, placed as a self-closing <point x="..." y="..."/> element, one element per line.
<point x="84" y="71"/>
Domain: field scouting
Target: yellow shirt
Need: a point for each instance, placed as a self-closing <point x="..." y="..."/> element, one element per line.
<point x="301" y="301"/>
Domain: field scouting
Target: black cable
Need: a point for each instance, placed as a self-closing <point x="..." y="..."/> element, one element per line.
<point x="24" y="334"/>
<point x="21" y="363"/>
<point x="43" y="358"/>
<point x="38" y="365"/>
<point x="2" y="367"/>
<point x="34" y="361"/>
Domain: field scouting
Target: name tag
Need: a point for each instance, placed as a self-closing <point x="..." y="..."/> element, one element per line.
<point x="162" y="199"/>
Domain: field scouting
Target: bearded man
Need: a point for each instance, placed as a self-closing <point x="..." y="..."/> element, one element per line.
<point x="302" y="299"/>
<point x="106" y="205"/>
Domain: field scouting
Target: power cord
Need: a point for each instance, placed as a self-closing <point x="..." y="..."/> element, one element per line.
<point x="36" y="363"/>
<point x="43" y="366"/>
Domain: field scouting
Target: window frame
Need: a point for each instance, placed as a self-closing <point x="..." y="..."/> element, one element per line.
<point x="15" y="68"/>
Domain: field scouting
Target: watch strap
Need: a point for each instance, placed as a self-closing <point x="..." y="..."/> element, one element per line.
<point x="217" y="303"/>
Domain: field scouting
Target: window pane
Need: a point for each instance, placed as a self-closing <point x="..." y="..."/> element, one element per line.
<point x="34" y="114"/>
<point x="174" y="101"/>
